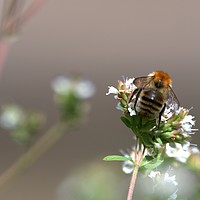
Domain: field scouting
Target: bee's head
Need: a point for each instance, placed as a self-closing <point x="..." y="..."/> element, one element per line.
<point x="161" y="79"/>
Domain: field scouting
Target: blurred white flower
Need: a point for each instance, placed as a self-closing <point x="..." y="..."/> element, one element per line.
<point x="173" y="195"/>
<point x="170" y="179"/>
<point x="83" y="89"/>
<point x="153" y="174"/>
<point x="128" y="166"/>
<point x="180" y="152"/>
<point x="61" y="85"/>
<point x="11" y="116"/>
<point x="164" y="185"/>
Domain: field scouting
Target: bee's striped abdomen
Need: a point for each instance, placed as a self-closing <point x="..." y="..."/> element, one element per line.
<point x="150" y="102"/>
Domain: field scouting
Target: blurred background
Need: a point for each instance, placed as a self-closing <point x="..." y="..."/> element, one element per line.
<point x="101" y="41"/>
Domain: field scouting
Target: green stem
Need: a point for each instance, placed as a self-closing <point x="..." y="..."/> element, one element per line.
<point x="132" y="182"/>
<point x="35" y="152"/>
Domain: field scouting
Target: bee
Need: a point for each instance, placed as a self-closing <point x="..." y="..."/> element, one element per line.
<point x="153" y="95"/>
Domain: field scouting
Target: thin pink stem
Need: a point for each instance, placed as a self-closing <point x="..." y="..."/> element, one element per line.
<point x="132" y="183"/>
<point x="18" y="20"/>
<point x="139" y="152"/>
<point x="30" y="11"/>
<point x="4" y="47"/>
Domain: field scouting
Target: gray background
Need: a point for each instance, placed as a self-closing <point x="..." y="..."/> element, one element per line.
<point x="102" y="41"/>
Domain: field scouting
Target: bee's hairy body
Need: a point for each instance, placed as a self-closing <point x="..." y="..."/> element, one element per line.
<point x="150" y="103"/>
<point x="153" y="94"/>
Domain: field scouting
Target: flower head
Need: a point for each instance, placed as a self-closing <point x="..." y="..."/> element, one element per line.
<point x="165" y="185"/>
<point x="82" y="89"/>
<point x="128" y="166"/>
<point x="173" y="132"/>
<point x="11" y="116"/>
<point x="123" y="93"/>
<point x="180" y="152"/>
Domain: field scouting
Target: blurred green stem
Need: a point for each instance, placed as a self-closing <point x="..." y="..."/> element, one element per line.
<point x="36" y="151"/>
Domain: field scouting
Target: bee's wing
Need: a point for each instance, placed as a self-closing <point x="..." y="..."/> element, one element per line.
<point x="141" y="82"/>
<point x="172" y="101"/>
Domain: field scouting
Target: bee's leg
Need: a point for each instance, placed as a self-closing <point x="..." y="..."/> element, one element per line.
<point x="133" y="93"/>
<point x="160" y="115"/>
<point x="137" y="96"/>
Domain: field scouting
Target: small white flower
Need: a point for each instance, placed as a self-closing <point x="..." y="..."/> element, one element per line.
<point x="170" y="179"/>
<point x="164" y="185"/>
<point x="167" y="114"/>
<point x="131" y="109"/>
<point x="194" y="149"/>
<point x="189" y="119"/>
<point x="187" y="124"/>
<point x="112" y="90"/>
<point x="177" y="151"/>
<point x="129" y="83"/>
<point x="84" y="89"/>
<point x="128" y="166"/>
<point x="154" y="174"/>
<point x="11" y="116"/>
<point x="61" y="85"/>
<point x="173" y="196"/>
<point x="118" y="107"/>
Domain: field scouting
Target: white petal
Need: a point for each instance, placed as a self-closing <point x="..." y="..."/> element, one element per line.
<point x="154" y="174"/>
<point x="112" y="90"/>
<point x="85" y="89"/>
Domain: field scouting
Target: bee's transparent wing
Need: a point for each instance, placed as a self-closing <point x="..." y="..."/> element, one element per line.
<point x="172" y="101"/>
<point x="140" y="82"/>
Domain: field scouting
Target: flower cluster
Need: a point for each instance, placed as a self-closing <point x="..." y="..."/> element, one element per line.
<point x="156" y="139"/>
<point x="175" y="127"/>
<point x="165" y="186"/>
<point x="22" y="125"/>
<point x="70" y="94"/>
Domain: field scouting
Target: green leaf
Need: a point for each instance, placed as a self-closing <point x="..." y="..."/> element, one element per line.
<point x="146" y="139"/>
<point x="117" y="158"/>
<point x="159" y="141"/>
<point x="126" y="121"/>
<point x="152" y="164"/>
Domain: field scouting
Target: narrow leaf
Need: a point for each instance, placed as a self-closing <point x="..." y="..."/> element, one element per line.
<point x="126" y="121"/>
<point x="117" y="158"/>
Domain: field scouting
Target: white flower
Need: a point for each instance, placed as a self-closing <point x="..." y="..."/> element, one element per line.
<point x="118" y="107"/>
<point x="131" y="109"/>
<point x="187" y="124"/>
<point x="129" y="83"/>
<point x="11" y="116"/>
<point x="84" y="89"/>
<point x="170" y="179"/>
<point x="112" y="90"/>
<point x="61" y="85"/>
<point x="154" y="174"/>
<point x="178" y="151"/>
<point x="173" y="196"/>
<point x="167" y="114"/>
<point x="128" y="166"/>
<point x="164" y="185"/>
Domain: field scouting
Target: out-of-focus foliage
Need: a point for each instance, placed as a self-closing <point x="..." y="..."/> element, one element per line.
<point x="22" y="125"/>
